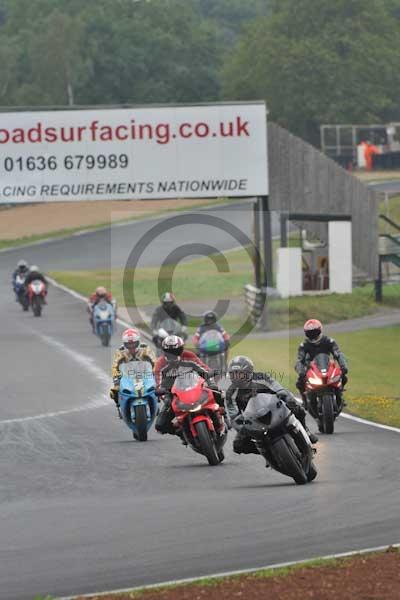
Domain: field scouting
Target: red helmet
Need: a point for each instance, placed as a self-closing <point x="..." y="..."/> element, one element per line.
<point x="313" y="330"/>
<point x="131" y="339"/>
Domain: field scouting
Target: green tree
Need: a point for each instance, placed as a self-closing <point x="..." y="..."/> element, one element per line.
<point x="337" y="64"/>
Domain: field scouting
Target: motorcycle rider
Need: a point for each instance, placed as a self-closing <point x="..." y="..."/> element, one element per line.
<point x="210" y="323"/>
<point x="167" y="369"/>
<point x="168" y="309"/>
<point x="246" y="383"/>
<point x="22" y="270"/>
<point x="132" y="349"/>
<point x="34" y="273"/>
<point x="99" y="294"/>
<point x="316" y="343"/>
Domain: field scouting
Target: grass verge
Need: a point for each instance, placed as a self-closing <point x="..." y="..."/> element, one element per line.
<point x="307" y="574"/>
<point x="392" y="210"/>
<point x="200" y="281"/>
<point x="373" y="357"/>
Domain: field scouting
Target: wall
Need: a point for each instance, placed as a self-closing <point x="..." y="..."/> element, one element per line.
<point x="302" y="179"/>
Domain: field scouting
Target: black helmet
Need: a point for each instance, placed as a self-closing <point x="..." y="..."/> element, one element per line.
<point x="210" y="318"/>
<point x="240" y="370"/>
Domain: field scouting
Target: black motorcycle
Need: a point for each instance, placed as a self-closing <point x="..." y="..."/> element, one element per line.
<point x="279" y="437"/>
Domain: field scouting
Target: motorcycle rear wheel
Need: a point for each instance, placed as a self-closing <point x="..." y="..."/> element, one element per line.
<point x="207" y="446"/>
<point x="288" y="460"/>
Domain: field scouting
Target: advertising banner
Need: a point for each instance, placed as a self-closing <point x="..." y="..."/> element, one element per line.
<point x="201" y="151"/>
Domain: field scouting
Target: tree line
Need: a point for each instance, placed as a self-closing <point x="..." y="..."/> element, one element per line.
<point x="332" y="61"/>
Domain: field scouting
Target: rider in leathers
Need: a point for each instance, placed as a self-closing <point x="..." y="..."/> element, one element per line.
<point x="175" y="361"/>
<point x="247" y="383"/>
<point x="316" y="343"/>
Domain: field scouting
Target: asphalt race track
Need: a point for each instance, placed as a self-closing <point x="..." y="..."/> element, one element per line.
<point x="85" y="508"/>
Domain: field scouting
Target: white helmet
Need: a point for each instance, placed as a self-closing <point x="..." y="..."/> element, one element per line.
<point x="34" y="269"/>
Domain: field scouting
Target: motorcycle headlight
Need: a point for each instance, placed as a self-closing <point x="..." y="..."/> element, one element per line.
<point x="335" y="379"/>
<point x="315" y="381"/>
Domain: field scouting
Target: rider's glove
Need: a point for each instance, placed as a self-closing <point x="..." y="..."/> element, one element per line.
<point x="114" y="395"/>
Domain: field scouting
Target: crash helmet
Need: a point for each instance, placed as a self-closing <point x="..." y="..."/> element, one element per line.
<point x="168" y="299"/>
<point x="131" y="340"/>
<point x="240" y="371"/>
<point x="34" y="269"/>
<point x="22" y="266"/>
<point x="313" y="330"/>
<point x="172" y="347"/>
<point x="101" y="292"/>
<point x="210" y="318"/>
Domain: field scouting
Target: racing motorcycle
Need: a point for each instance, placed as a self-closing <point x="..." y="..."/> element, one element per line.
<point x="137" y="398"/>
<point x="199" y="420"/>
<point x="278" y="436"/>
<point x="103" y="321"/>
<point x="37" y="296"/>
<point x="212" y="350"/>
<point x="324" y="391"/>
<point x="167" y="327"/>
<point x="20" y="292"/>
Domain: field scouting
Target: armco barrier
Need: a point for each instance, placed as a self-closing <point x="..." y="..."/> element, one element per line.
<point x="255" y="299"/>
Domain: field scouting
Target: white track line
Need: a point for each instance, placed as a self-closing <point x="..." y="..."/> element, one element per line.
<point x="231" y="573"/>
<point x="372" y="423"/>
<point x="83" y="361"/>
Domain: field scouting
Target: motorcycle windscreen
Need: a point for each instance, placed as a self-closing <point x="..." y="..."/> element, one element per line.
<point x="138" y="374"/>
<point x="171" y="326"/>
<point x="212" y="342"/>
<point x="322" y="361"/>
<point x="267" y="410"/>
<point x="187" y="381"/>
<point x="104" y="311"/>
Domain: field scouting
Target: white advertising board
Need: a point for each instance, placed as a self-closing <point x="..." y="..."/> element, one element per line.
<point x="156" y="152"/>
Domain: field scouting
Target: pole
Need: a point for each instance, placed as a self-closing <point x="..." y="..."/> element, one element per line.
<point x="267" y="242"/>
<point x="257" y="244"/>
<point x="378" y="282"/>
<point x="284" y="241"/>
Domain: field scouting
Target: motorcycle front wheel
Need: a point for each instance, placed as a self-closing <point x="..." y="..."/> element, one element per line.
<point x="206" y="444"/>
<point x="287" y="457"/>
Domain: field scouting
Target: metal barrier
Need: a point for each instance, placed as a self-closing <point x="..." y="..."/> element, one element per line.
<point x="255" y="299"/>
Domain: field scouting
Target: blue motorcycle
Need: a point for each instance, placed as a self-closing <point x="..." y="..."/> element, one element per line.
<point x="103" y="321"/>
<point x="137" y="399"/>
<point x="20" y="291"/>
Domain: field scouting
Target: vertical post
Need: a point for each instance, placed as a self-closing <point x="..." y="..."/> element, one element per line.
<point x="267" y="242"/>
<point x="267" y="264"/>
<point x="284" y="241"/>
<point x="378" y="282"/>
<point x="257" y="244"/>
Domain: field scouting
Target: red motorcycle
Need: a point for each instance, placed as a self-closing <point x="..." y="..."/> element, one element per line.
<point x="199" y="420"/>
<point x="324" y="391"/>
<point x="37" y="296"/>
